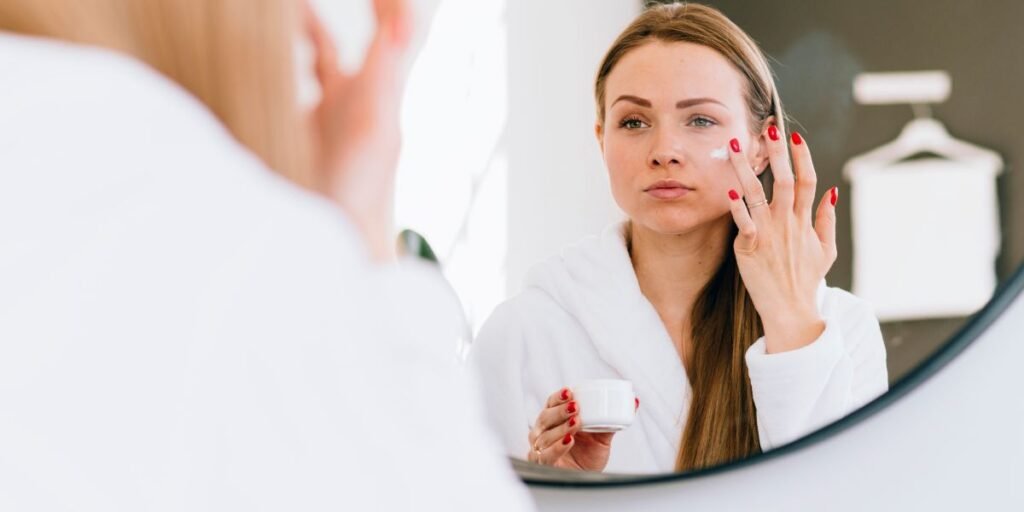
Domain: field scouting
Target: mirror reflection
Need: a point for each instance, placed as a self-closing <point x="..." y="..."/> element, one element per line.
<point x="747" y="226"/>
<point x="708" y="301"/>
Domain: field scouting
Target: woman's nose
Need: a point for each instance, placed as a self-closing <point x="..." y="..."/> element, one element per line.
<point x="665" y="152"/>
<point x="664" y="159"/>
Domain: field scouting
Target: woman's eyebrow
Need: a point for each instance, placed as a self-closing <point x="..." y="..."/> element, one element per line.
<point x="697" y="101"/>
<point x="633" y="99"/>
<point x="680" y="104"/>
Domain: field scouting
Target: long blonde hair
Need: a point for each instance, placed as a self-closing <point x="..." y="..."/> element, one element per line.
<point x="235" y="56"/>
<point x="722" y="421"/>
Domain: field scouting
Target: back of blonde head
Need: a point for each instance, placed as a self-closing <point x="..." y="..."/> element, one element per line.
<point x="235" y="56"/>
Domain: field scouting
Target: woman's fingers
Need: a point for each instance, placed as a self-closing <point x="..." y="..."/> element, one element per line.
<point x="553" y="416"/>
<point x="806" y="178"/>
<point x="556" y="411"/>
<point x="549" y="453"/>
<point x="825" y="223"/>
<point x="746" y="239"/>
<point x="558" y="397"/>
<point x="753" y="192"/>
<point x="325" y="52"/>
<point x="393" y="20"/>
<point x="553" y="432"/>
<point x="383" y="65"/>
<point x="782" y="172"/>
<point x="560" y="435"/>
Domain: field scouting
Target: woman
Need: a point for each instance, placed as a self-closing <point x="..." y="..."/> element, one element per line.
<point x="710" y="299"/>
<point x="182" y="329"/>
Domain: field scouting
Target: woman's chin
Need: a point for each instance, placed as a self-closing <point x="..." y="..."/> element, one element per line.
<point x="664" y="226"/>
<point x="674" y="222"/>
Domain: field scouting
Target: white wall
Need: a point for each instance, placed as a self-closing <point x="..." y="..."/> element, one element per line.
<point x="451" y="173"/>
<point x="557" y="184"/>
<point x="500" y="168"/>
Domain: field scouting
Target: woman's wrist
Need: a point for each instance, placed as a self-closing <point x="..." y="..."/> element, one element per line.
<point x="377" y="232"/>
<point x="381" y="243"/>
<point x="793" y="330"/>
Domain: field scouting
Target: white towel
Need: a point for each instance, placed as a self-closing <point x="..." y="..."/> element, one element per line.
<point x="925" y="238"/>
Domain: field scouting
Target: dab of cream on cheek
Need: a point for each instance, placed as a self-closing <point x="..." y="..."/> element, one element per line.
<point x="719" y="154"/>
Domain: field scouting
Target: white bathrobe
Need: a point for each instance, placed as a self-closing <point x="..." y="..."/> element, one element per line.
<point x="181" y="329"/>
<point x="582" y="316"/>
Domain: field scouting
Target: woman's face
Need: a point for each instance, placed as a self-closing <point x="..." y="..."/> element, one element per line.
<point x="670" y="111"/>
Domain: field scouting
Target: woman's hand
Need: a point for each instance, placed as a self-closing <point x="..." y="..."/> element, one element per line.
<point x="355" y="127"/>
<point x="556" y="440"/>
<point x="781" y="256"/>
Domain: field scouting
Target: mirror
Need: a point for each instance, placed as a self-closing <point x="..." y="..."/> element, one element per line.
<point x="506" y="128"/>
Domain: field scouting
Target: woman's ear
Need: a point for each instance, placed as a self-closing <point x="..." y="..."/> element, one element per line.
<point x="759" y="161"/>
<point x="599" y="133"/>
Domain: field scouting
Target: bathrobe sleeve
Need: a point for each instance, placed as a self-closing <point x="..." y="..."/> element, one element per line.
<point x="497" y="357"/>
<point x="799" y="391"/>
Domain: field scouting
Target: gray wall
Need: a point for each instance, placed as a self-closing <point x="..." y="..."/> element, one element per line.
<point x="818" y="47"/>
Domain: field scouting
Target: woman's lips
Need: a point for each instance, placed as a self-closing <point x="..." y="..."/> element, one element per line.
<point x="668" y="190"/>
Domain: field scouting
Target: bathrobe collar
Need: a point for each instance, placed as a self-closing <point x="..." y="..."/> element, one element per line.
<point x="594" y="281"/>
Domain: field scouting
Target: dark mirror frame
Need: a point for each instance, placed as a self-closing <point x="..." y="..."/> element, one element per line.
<point x="1007" y="293"/>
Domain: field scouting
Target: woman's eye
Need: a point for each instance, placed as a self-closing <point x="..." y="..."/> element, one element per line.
<point x="702" y="122"/>
<point x="631" y="123"/>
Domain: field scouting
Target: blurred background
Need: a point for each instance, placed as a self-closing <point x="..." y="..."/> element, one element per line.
<point x="819" y="47"/>
<point x="501" y="169"/>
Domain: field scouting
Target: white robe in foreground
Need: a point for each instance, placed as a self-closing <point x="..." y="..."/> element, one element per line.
<point x="582" y="316"/>
<point x="181" y="329"/>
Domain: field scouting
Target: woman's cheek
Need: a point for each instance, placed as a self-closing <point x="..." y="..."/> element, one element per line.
<point x="622" y="182"/>
<point x="623" y="162"/>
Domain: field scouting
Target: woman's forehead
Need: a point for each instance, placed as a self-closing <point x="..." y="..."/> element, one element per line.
<point x="666" y="72"/>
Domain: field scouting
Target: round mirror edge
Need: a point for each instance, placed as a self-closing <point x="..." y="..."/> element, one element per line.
<point x="1005" y="295"/>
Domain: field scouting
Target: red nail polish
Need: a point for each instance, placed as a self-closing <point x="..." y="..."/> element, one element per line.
<point x="835" y="195"/>
<point x="572" y="421"/>
<point x="571" y="408"/>
<point x="637" y="400"/>
<point x="565" y="394"/>
<point x="733" y="195"/>
<point x="773" y="132"/>
<point x="797" y="139"/>
<point x="735" y="145"/>
<point x="567" y="439"/>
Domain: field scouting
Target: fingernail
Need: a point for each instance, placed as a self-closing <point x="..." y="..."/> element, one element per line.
<point x="733" y="195"/>
<point x="735" y="145"/>
<point x="567" y="439"/>
<point x="773" y="132"/>
<point x="797" y="139"/>
<point x="571" y="408"/>
<point x="565" y="394"/>
<point x="835" y="195"/>
<point x="637" y="400"/>
<point x="572" y="421"/>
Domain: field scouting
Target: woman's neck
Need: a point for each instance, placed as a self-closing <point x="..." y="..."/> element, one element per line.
<point x="672" y="269"/>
